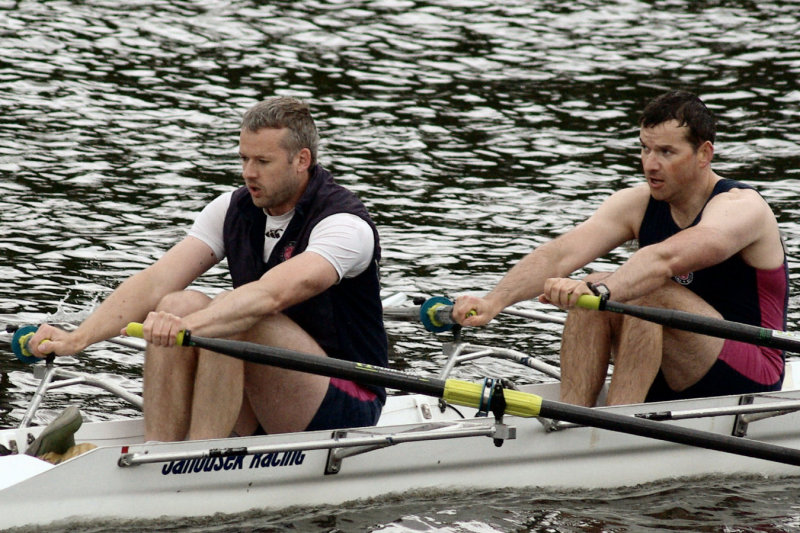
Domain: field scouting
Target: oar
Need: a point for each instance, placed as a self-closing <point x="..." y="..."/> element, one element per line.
<point x="436" y="314"/>
<point x="475" y="395"/>
<point x="714" y="327"/>
<point x="21" y="336"/>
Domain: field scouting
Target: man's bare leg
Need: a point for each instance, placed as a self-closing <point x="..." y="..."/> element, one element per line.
<point x="283" y="400"/>
<point x="169" y="375"/>
<point x="642" y="348"/>
<point x="247" y="423"/>
<point x="687" y="356"/>
<point x="637" y="359"/>
<point x="585" y="352"/>
<point x="167" y="392"/>
<point x="198" y="394"/>
<point x="217" y="397"/>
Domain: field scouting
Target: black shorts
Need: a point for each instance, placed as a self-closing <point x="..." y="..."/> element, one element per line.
<point x="345" y="405"/>
<point x="720" y="380"/>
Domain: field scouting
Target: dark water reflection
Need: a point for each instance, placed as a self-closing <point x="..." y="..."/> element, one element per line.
<point x="473" y="129"/>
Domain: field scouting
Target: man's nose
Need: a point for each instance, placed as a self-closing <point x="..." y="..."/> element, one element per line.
<point x="248" y="169"/>
<point x="649" y="161"/>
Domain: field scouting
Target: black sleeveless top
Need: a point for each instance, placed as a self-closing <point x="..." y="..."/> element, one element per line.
<point x="346" y="320"/>
<point x="735" y="289"/>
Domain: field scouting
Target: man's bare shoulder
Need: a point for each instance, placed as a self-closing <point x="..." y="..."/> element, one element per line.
<point x="619" y="216"/>
<point x="744" y="220"/>
<point x="737" y="193"/>
<point x="629" y="203"/>
<point x="638" y="193"/>
<point x="737" y="198"/>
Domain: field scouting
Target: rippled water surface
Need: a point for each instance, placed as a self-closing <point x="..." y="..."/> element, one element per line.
<point x="473" y="130"/>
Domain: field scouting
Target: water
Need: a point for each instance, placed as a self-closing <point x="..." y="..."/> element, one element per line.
<point x="707" y="505"/>
<point x="474" y="130"/>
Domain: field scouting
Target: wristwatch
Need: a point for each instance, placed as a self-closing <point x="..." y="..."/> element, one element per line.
<point x="600" y="289"/>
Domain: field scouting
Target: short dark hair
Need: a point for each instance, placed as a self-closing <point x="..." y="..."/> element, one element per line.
<point x="281" y="112"/>
<point x="688" y="110"/>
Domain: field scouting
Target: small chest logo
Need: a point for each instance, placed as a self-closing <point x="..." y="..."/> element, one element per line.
<point x="274" y="233"/>
<point x="684" y="279"/>
<point x="288" y="251"/>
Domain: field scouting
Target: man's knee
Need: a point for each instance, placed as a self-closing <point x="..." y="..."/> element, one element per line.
<point x="587" y="318"/>
<point x="183" y="302"/>
<point x="582" y="316"/>
<point x="584" y="323"/>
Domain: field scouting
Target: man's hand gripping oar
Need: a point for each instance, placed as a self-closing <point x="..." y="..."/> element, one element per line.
<point x="23" y="346"/>
<point x="31" y="344"/>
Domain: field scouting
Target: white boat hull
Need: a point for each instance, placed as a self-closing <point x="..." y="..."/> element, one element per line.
<point x="94" y="485"/>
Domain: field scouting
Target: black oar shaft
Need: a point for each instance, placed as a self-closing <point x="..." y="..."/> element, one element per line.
<point x="324" y="366"/>
<point x="520" y="403"/>
<point x="473" y="395"/>
<point x="705" y="325"/>
<point x="714" y="327"/>
<point x="668" y="432"/>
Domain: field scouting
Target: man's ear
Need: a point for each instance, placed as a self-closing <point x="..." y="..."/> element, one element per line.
<point x="705" y="153"/>
<point x="303" y="159"/>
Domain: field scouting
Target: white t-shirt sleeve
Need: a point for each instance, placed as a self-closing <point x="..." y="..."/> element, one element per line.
<point x="208" y="226"/>
<point x="346" y="241"/>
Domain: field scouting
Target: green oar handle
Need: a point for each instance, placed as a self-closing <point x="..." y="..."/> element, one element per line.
<point x="135" y="329"/>
<point x="587" y="301"/>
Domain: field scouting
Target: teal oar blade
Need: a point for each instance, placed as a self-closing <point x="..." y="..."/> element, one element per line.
<point x="473" y="395"/>
<point x="714" y="327"/>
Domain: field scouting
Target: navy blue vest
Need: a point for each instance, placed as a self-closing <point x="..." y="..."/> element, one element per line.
<point x="729" y="287"/>
<point x="346" y="320"/>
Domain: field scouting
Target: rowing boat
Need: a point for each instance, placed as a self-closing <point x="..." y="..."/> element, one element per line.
<point x="421" y="442"/>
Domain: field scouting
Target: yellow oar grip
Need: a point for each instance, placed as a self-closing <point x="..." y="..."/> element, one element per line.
<point x="587" y="301"/>
<point x="135" y="329"/>
<point x="469" y="394"/>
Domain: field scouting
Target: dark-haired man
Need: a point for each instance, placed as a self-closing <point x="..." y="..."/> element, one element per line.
<point x="707" y="245"/>
<point x="303" y="255"/>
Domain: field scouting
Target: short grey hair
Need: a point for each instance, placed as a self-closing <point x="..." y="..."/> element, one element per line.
<point x="281" y="112"/>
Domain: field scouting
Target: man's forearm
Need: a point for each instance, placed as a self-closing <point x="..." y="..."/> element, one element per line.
<point x="644" y="272"/>
<point x="130" y="302"/>
<point x="525" y="280"/>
